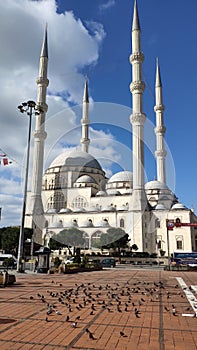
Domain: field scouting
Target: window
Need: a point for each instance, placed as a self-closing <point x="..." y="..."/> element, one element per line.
<point x="179" y="242"/>
<point x="121" y="222"/>
<point x="157" y="223"/>
<point x="79" y="202"/>
<point x="56" y="201"/>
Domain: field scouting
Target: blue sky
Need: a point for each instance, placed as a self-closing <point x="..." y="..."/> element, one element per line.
<point x="94" y="38"/>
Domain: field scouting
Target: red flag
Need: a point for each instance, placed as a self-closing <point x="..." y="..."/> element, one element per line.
<point x="5" y="161"/>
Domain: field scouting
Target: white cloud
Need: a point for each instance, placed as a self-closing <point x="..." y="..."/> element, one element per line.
<point x="107" y="5"/>
<point x="22" y="28"/>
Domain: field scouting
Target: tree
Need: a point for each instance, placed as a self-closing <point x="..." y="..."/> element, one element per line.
<point x="9" y="238"/>
<point x="71" y="237"/>
<point x="115" y="238"/>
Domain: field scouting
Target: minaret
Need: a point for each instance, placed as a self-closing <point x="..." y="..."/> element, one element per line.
<point x="137" y="118"/>
<point x="40" y="136"/>
<point x="160" y="129"/>
<point x="85" y="141"/>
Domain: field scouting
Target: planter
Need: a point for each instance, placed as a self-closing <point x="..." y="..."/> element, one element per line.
<point x="81" y="269"/>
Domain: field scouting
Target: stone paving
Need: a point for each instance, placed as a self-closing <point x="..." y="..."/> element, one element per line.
<point x="133" y="309"/>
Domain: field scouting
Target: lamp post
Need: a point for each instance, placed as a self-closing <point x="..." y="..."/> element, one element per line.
<point x="29" y="108"/>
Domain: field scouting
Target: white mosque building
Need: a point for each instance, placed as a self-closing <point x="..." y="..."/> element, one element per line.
<point x="74" y="190"/>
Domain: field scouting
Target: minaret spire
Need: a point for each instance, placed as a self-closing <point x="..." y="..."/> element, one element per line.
<point x="85" y="141"/>
<point x="40" y="136"/>
<point x="160" y="129"/>
<point x="138" y="117"/>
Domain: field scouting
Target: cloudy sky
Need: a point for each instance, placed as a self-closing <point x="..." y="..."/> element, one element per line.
<point x="93" y="38"/>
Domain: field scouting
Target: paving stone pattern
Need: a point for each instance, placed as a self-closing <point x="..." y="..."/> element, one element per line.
<point x="109" y="309"/>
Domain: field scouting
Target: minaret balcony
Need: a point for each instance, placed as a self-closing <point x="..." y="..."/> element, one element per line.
<point x="137" y="87"/>
<point x="137" y="118"/>
<point x="136" y="56"/>
<point x="159" y="108"/>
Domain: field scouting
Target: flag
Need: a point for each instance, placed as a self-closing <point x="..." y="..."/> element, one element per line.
<point x="5" y="161"/>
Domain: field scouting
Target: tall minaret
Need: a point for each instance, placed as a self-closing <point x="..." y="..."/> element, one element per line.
<point x="40" y="136"/>
<point x="137" y="118"/>
<point x="160" y="129"/>
<point x="85" y="141"/>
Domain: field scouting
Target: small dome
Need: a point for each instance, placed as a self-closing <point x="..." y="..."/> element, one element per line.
<point x="108" y="208"/>
<point x="113" y="192"/>
<point x="122" y="176"/>
<point x="65" y="211"/>
<point x="79" y="210"/>
<point x="122" y="207"/>
<point x="178" y="206"/>
<point x="51" y="211"/>
<point x="85" y="179"/>
<point x="72" y="223"/>
<point x="56" y="224"/>
<point x="87" y="223"/>
<point x="155" y="185"/>
<point x="94" y="209"/>
<point x="101" y="194"/>
<point x="103" y="223"/>
<point x="160" y="207"/>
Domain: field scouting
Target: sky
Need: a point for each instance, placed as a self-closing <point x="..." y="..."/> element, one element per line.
<point x="93" y="39"/>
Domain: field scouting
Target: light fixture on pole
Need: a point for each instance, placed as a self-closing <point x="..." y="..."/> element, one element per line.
<point x="29" y="108"/>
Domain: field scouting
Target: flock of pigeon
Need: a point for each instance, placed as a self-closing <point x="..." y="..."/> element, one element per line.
<point x="113" y="298"/>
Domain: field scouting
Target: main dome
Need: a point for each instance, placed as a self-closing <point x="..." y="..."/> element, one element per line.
<point x="75" y="158"/>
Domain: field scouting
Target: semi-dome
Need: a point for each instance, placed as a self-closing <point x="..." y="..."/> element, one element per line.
<point x="122" y="176"/>
<point x="85" y="179"/>
<point x="76" y="158"/>
<point x="155" y="185"/>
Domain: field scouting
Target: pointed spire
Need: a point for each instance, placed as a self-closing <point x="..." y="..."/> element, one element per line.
<point x="136" y="22"/>
<point x="158" y="75"/>
<point x="85" y="94"/>
<point x="44" y="51"/>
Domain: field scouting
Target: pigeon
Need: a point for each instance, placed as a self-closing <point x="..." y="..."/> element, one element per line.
<point x="165" y="307"/>
<point x="58" y="312"/>
<point x="67" y="318"/>
<point x="74" y="324"/>
<point x="91" y="336"/>
<point x="174" y="311"/>
<point x="122" y="334"/>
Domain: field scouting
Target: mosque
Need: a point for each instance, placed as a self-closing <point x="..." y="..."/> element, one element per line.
<point x="75" y="192"/>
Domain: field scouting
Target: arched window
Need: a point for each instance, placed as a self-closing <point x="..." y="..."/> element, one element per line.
<point x="56" y="201"/>
<point x="122" y="223"/>
<point x="79" y="202"/>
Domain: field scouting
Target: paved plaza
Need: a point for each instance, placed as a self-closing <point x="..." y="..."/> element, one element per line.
<point x="121" y="308"/>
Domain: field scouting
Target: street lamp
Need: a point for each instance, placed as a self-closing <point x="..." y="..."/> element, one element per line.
<point x="29" y="108"/>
